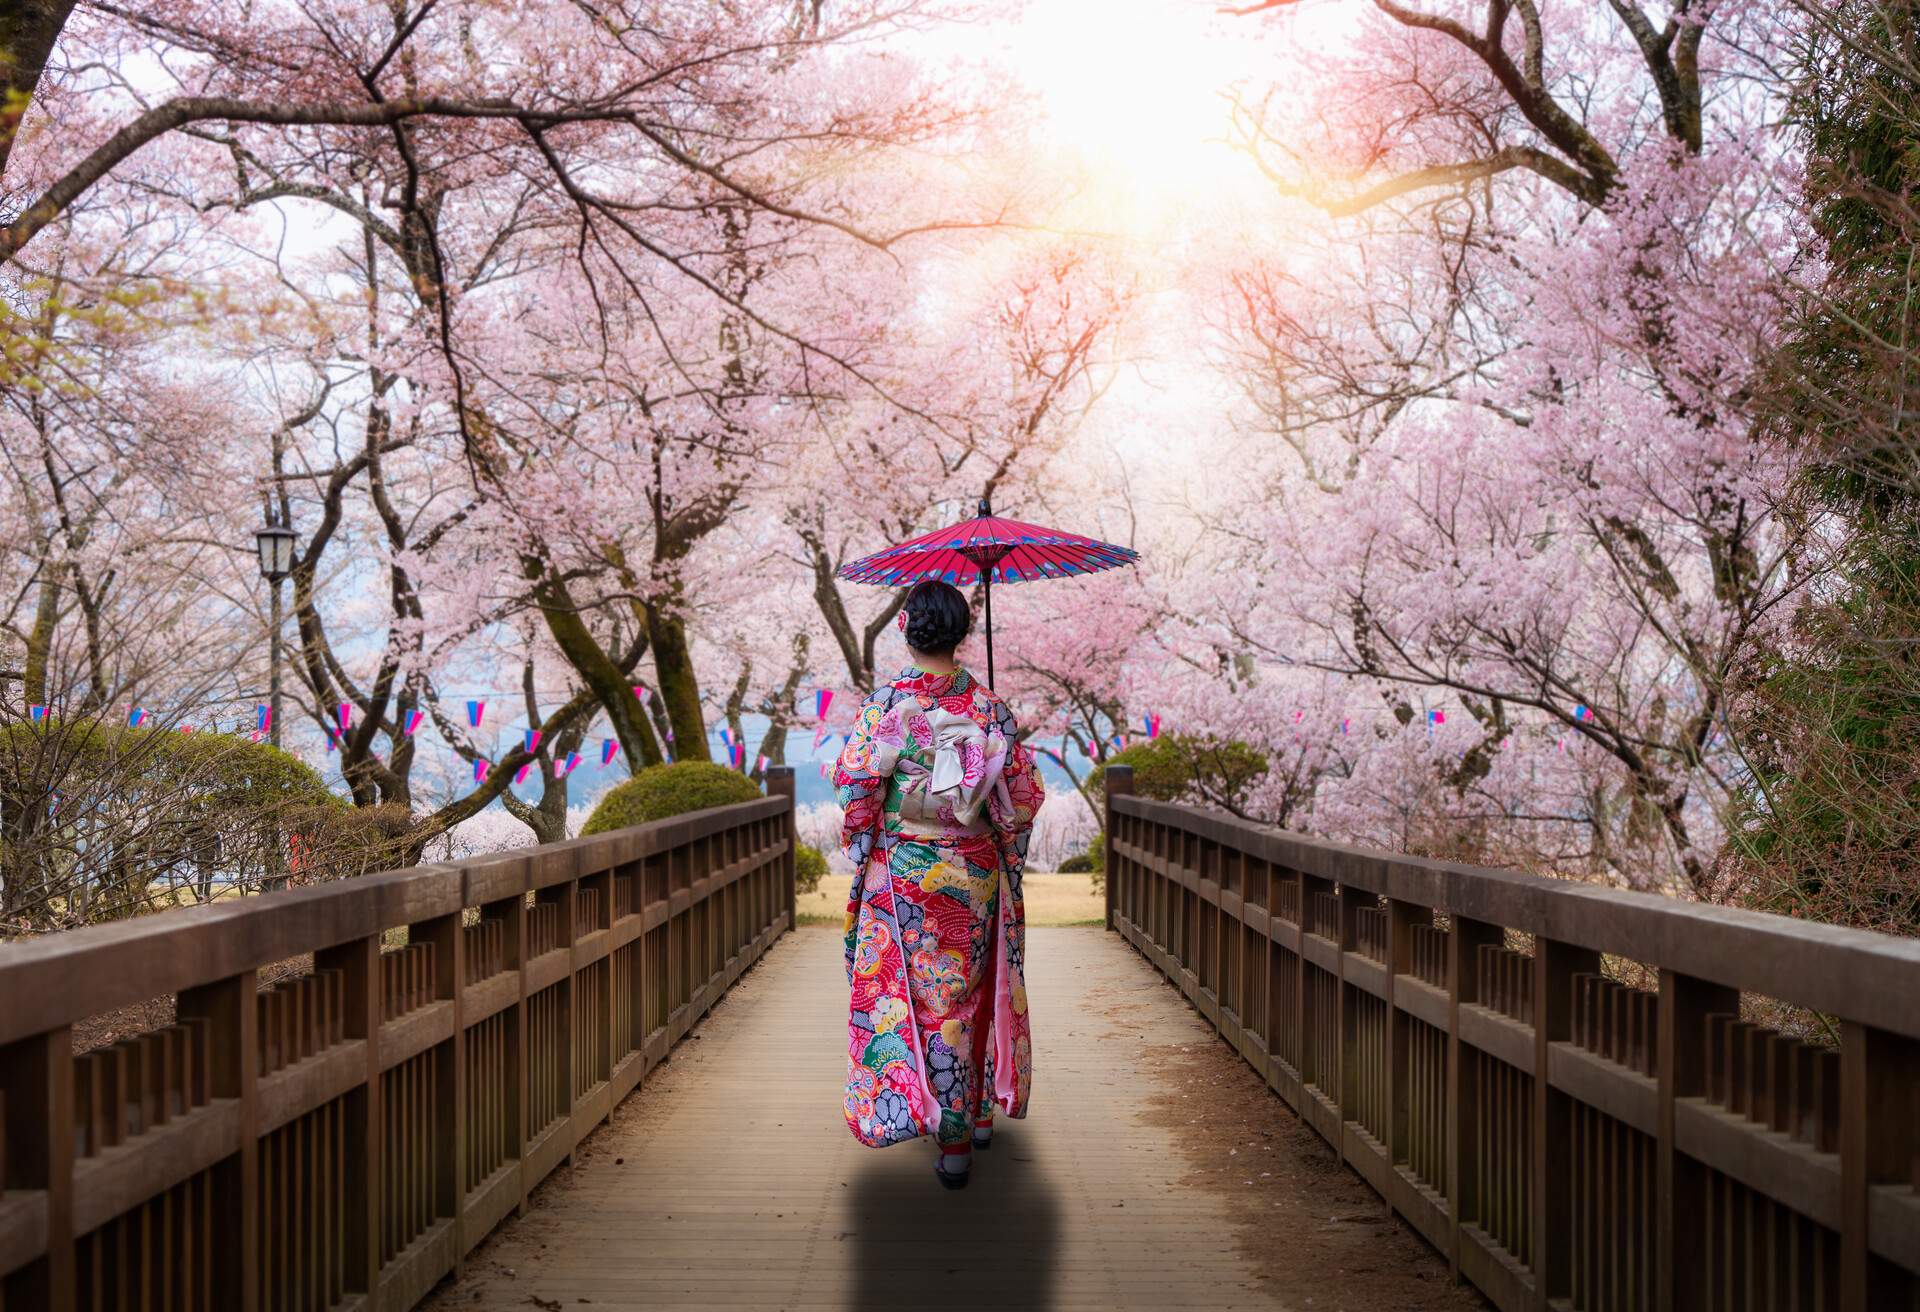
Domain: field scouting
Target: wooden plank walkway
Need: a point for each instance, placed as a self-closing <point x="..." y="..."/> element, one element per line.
<point x="730" y="1181"/>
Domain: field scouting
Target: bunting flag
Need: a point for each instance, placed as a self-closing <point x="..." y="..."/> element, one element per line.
<point x="186" y="728"/>
<point x="738" y="751"/>
<point x="1583" y="712"/>
<point x="669" y="735"/>
<point x="645" y="695"/>
<point x="825" y="773"/>
<point x="1343" y="724"/>
<point x="1299" y="716"/>
<point x="413" y="722"/>
<point x="474" y="711"/>
<point x="1152" y="726"/>
<point x="262" y="718"/>
<point x="607" y="748"/>
<point x="135" y="717"/>
<point x="1436" y="717"/>
<point x="819" y="735"/>
<point x="345" y="714"/>
<point x="520" y="775"/>
<point x="256" y="737"/>
<point x="822" y="699"/>
<point x="36" y="712"/>
<point x="480" y="768"/>
<point x="726" y="736"/>
<point x="532" y="738"/>
<point x="760" y="766"/>
<point x="561" y="769"/>
<point x="333" y="738"/>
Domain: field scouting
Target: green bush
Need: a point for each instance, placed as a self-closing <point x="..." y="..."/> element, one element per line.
<point x="1080" y="863"/>
<point x="1182" y="768"/>
<point x="809" y="868"/>
<point x="660" y="791"/>
<point x="103" y="821"/>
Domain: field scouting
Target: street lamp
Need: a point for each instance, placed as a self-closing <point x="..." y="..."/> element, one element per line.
<point x="274" y="541"/>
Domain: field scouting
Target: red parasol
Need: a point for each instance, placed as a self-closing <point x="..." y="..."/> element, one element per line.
<point x="991" y="550"/>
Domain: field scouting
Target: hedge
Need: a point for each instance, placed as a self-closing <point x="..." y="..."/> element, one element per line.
<point x="660" y="791"/>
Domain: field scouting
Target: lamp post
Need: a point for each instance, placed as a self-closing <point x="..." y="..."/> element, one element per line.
<point x="274" y="541"/>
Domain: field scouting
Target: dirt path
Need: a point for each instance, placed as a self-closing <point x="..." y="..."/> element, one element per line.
<point x="729" y="1181"/>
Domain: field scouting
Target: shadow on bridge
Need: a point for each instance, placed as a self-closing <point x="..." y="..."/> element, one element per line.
<point x="995" y="1243"/>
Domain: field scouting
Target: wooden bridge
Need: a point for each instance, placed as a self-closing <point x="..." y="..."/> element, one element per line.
<point x="359" y="1095"/>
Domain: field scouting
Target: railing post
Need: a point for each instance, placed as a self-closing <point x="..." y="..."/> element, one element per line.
<point x="1119" y="783"/>
<point x="1878" y="1074"/>
<point x="780" y="783"/>
<point x="450" y="1184"/>
<point x="232" y="1015"/>
<point x="1685" y="1004"/>
<point x="1464" y="942"/>
<point x="1554" y="966"/>
<point x="1402" y="917"/>
<point x="36" y="1097"/>
<point x="358" y="960"/>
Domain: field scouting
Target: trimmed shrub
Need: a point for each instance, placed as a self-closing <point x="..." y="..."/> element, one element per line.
<point x="1181" y="768"/>
<point x="660" y="791"/>
<point x="102" y="821"/>
<point x="1080" y="863"/>
<point x="809" y="868"/>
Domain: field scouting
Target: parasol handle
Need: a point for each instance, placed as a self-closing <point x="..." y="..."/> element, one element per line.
<point x="986" y="584"/>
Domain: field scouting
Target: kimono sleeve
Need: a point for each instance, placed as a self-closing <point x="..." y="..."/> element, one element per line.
<point x="861" y="785"/>
<point x="1025" y="793"/>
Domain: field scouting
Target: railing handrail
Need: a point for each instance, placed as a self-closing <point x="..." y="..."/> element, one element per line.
<point x="345" y="1134"/>
<point x="61" y="978"/>
<point x="1567" y="1136"/>
<point x="1866" y="976"/>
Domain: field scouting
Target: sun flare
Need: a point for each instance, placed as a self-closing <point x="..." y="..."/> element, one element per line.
<point x="1138" y="91"/>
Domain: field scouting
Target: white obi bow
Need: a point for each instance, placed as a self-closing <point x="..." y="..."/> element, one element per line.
<point x="967" y="762"/>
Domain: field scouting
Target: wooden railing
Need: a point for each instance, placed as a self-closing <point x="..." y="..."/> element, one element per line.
<point x="435" y="1041"/>
<point x="1556" y="1084"/>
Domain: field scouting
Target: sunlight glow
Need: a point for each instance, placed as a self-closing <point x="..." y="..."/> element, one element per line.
<point x="1137" y="90"/>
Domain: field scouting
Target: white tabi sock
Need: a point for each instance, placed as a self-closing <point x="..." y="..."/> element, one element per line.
<point x="956" y="1163"/>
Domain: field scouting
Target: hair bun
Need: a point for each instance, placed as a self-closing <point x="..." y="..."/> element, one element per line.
<point x="938" y="618"/>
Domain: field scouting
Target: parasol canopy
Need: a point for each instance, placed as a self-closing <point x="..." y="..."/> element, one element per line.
<point x="989" y="550"/>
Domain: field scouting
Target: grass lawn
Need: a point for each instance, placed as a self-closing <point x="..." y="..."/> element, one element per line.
<point x="1051" y="900"/>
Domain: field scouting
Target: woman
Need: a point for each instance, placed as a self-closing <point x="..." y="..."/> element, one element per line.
<point x="939" y="796"/>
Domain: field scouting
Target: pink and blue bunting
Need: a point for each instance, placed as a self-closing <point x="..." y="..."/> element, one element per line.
<point x="136" y="716"/>
<point x="561" y="769"/>
<point x="760" y="766"/>
<point x="1436" y="717"/>
<point x="644" y="693"/>
<point x="1152" y="726"/>
<point x="520" y="775"/>
<point x="480" y="768"/>
<point x="607" y="748"/>
<point x="1583" y="712"/>
<point x="262" y="718"/>
<point x="36" y="712"/>
<point x="532" y="739"/>
<point x="822" y="699"/>
<point x="475" y="710"/>
<point x="413" y="723"/>
<point x="344" y="712"/>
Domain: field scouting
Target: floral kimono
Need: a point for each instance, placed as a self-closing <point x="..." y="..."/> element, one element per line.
<point x="939" y="798"/>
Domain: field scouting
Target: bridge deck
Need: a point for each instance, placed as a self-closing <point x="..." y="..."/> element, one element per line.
<point x="1154" y="1171"/>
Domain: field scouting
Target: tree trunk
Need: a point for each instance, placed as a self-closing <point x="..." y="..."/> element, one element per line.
<point x="679" y="685"/>
<point x="40" y="639"/>
<point x="28" y="31"/>
<point x="609" y="684"/>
